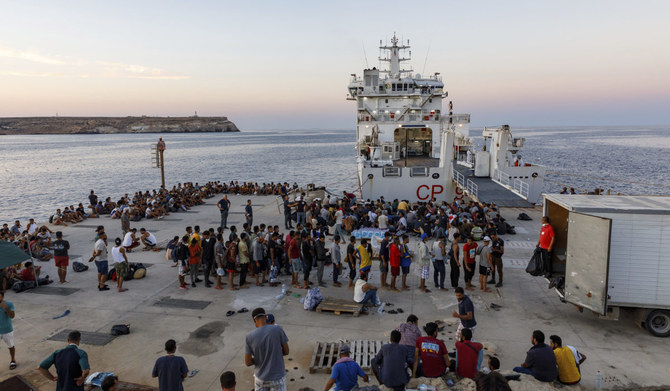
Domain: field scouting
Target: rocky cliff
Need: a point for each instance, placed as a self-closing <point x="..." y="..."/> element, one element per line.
<point x="101" y="125"/>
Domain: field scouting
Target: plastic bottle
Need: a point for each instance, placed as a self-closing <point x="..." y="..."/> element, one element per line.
<point x="283" y="289"/>
<point x="381" y="308"/>
<point x="599" y="381"/>
<point x="423" y="387"/>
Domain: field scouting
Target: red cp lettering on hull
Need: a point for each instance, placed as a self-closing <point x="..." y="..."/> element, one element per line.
<point x="425" y="192"/>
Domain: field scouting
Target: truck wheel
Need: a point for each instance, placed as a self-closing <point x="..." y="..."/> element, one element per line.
<point x="658" y="323"/>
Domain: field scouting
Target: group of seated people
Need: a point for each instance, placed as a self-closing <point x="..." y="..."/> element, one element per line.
<point x="26" y="272"/>
<point x="251" y="188"/>
<point x="411" y="354"/>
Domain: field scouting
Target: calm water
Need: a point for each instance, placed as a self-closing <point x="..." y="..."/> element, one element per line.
<point x="42" y="173"/>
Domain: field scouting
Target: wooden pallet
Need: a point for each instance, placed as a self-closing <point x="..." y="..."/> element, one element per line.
<point x="339" y="306"/>
<point x="327" y="353"/>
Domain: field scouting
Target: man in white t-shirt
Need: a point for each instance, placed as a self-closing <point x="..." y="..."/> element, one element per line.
<point x="365" y="292"/>
<point x="339" y="216"/>
<point x="129" y="240"/>
<point x="100" y="258"/>
<point x="383" y="220"/>
<point x="148" y="239"/>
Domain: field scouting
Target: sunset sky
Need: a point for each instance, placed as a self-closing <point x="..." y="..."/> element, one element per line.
<point x="286" y="64"/>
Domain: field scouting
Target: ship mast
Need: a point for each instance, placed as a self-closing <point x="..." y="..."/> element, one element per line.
<point x="393" y="57"/>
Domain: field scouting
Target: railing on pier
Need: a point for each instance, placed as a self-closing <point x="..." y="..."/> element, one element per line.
<point x="467" y="185"/>
<point x="515" y="184"/>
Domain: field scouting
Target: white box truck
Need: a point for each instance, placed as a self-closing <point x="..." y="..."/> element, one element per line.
<point x="614" y="253"/>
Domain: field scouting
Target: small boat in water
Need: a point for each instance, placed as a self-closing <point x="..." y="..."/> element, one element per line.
<point x="408" y="148"/>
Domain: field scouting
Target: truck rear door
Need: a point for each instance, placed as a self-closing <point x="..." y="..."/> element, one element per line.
<point x="587" y="261"/>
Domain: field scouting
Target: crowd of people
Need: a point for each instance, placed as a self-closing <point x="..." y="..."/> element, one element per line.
<point x="260" y="254"/>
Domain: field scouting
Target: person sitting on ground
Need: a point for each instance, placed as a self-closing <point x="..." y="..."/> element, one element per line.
<point x="228" y="381"/>
<point x="391" y="363"/>
<point x="565" y="360"/>
<point x="364" y="292"/>
<point x="468" y="355"/>
<point x="58" y="218"/>
<point x="345" y="372"/>
<point x="148" y="239"/>
<point x="409" y="332"/>
<point x="540" y="360"/>
<point x="492" y="365"/>
<point x="29" y="272"/>
<point x="493" y="381"/>
<point x="110" y="383"/>
<point x="433" y="354"/>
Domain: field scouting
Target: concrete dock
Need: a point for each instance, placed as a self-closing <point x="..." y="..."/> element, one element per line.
<point x="211" y="342"/>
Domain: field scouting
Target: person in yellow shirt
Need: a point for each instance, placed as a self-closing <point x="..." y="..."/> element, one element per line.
<point x="403" y="206"/>
<point x="565" y="360"/>
<point x="364" y="256"/>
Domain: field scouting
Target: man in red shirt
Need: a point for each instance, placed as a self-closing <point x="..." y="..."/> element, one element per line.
<point x="546" y="244"/>
<point x="433" y="353"/>
<point x="394" y="261"/>
<point x="467" y="355"/>
<point x="470" y="257"/>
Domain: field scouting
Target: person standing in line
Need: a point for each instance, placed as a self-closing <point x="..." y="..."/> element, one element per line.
<point x="208" y="245"/>
<point x="227" y="381"/>
<point x="395" y="254"/>
<point x="6" y="328"/>
<point x="497" y="251"/>
<point x="224" y="207"/>
<point x="243" y="253"/>
<point x="321" y="255"/>
<point x="170" y="370"/>
<point x="405" y="261"/>
<point x="469" y="262"/>
<point x="485" y="263"/>
<point x="294" y="258"/>
<point x="454" y="263"/>
<point x="231" y="262"/>
<point x="307" y="252"/>
<point x="265" y="348"/>
<point x="120" y="264"/>
<point x="258" y="254"/>
<point x="336" y="257"/>
<point x="181" y="254"/>
<point x="351" y="261"/>
<point x="339" y="218"/>
<point x="100" y="258"/>
<point x="71" y="365"/>
<point x="384" y="259"/>
<point x="439" y="252"/>
<point x="288" y="223"/>
<point x="61" y="257"/>
<point x="219" y="256"/>
<point x="466" y="313"/>
<point x="249" y="213"/>
<point x="423" y="261"/>
<point x="546" y="244"/>
<point x="194" y="253"/>
<point x="300" y="210"/>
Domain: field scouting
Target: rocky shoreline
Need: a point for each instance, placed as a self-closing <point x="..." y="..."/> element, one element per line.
<point x="108" y="125"/>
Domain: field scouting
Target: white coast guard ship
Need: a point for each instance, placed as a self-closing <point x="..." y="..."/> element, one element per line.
<point x="408" y="148"/>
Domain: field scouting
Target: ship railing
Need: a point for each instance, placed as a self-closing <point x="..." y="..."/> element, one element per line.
<point x="459" y="178"/>
<point x="515" y="184"/>
<point x="472" y="189"/>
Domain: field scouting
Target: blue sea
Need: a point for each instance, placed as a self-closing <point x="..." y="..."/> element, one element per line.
<point x="41" y="173"/>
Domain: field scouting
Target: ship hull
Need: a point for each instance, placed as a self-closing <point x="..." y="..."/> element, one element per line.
<point x="433" y="183"/>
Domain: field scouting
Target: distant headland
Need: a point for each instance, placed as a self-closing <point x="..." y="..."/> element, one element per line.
<point x="107" y="125"/>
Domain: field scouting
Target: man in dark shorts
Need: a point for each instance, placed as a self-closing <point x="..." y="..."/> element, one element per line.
<point x="61" y="256"/>
<point x="351" y="260"/>
<point x="497" y="251"/>
<point x="384" y="259"/>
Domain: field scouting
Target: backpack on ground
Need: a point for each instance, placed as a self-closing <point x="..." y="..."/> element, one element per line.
<point x="524" y="217"/>
<point x="79" y="267"/>
<point x="120" y="329"/>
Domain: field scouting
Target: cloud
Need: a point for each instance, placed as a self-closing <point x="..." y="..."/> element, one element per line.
<point x="30" y="56"/>
<point x="84" y="68"/>
<point x="116" y="69"/>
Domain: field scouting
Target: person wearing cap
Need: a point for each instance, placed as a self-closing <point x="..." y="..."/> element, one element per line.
<point x="265" y="348"/>
<point x="432" y="352"/>
<point x="345" y="372"/>
<point x="485" y="263"/>
<point x="270" y="319"/>
<point x="423" y="261"/>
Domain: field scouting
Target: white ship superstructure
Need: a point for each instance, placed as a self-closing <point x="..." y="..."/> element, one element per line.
<point x="406" y="145"/>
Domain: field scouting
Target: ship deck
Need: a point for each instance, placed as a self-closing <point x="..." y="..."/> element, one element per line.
<point x="490" y="191"/>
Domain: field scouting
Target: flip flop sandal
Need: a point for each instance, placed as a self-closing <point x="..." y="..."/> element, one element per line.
<point x="393" y="312"/>
<point x="230" y="313"/>
<point x="389" y="304"/>
<point x="400" y="311"/>
<point x="12" y="365"/>
<point x="243" y="310"/>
